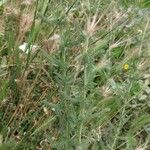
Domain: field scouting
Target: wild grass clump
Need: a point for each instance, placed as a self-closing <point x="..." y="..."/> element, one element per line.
<point x="74" y="75"/>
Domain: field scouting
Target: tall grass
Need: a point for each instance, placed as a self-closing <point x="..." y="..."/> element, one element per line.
<point x="85" y="86"/>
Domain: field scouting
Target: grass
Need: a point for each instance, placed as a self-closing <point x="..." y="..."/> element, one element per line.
<point x="86" y="85"/>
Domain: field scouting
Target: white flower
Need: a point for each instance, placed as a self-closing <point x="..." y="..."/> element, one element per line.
<point x="140" y="31"/>
<point x="55" y="37"/>
<point x="24" y="48"/>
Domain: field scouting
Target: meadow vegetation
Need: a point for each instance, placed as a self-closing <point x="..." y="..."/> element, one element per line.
<point x="82" y="80"/>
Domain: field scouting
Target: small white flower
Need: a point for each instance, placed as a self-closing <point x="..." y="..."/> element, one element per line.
<point x="55" y="37"/>
<point x="45" y="110"/>
<point x="26" y="50"/>
<point x="53" y="138"/>
<point x="53" y="109"/>
<point x="140" y="31"/>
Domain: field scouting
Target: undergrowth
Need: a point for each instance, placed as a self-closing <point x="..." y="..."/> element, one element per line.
<point x="86" y="83"/>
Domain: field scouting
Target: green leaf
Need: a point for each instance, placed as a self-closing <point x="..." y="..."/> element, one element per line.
<point x="117" y="53"/>
<point x="139" y="122"/>
<point x="135" y="88"/>
<point x="7" y="146"/>
<point x="3" y="89"/>
<point x="131" y="141"/>
<point x="44" y="125"/>
<point x="141" y="3"/>
<point x="3" y="2"/>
